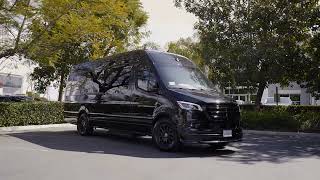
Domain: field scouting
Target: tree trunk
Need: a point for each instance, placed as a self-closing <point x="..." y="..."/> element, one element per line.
<point x="261" y="87"/>
<point x="61" y="86"/>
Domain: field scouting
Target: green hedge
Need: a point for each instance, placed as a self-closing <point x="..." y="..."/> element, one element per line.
<point x="279" y="118"/>
<point x="282" y="118"/>
<point x="30" y="113"/>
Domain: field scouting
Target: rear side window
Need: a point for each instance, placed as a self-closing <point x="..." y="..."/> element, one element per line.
<point x="145" y="79"/>
<point x="105" y="77"/>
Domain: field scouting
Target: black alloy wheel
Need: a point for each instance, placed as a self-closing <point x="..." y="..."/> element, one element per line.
<point x="83" y="125"/>
<point x="165" y="135"/>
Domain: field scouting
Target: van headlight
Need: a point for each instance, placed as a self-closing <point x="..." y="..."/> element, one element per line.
<point x="189" y="106"/>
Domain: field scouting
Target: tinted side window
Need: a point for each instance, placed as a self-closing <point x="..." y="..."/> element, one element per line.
<point x="145" y="79"/>
<point x="142" y="79"/>
<point x="105" y="77"/>
<point x="79" y="86"/>
<point x="121" y="77"/>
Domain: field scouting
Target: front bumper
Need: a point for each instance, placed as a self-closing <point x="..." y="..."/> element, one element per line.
<point x="193" y="136"/>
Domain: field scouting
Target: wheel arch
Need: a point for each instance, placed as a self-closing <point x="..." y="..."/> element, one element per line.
<point x="160" y="116"/>
<point x="83" y="109"/>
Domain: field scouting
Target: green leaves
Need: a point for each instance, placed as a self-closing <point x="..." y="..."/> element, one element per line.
<point x="68" y="32"/>
<point x="41" y="29"/>
<point x="189" y="48"/>
<point x="248" y="42"/>
<point x="281" y="118"/>
<point x="15" y="18"/>
<point x="30" y="113"/>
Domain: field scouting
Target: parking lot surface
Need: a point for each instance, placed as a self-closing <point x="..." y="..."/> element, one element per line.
<point x="59" y="153"/>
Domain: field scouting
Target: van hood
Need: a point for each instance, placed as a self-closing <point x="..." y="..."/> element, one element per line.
<point x="201" y="96"/>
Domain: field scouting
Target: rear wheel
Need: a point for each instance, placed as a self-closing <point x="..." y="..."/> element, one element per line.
<point x="83" y="125"/>
<point x="218" y="145"/>
<point x="165" y="135"/>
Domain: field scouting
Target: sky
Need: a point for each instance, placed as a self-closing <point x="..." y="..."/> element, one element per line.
<point x="166" y="22"/>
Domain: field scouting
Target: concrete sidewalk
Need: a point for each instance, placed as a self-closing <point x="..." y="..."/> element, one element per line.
<point x="60" y="153"/>
<point x="67" y="125"/>
<point x="33" y="127"/>
<point x="277" y="133"/>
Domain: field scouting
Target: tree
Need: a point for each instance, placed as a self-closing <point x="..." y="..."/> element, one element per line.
<point x="311" y="79"/>
<point x="150" y="45"/>
<point x="253" y="43"/>
<point x="88" y="31"/>
<point x="45" y="74"/>
<point x="189" y="48"/>
<point x="15" y="17"/>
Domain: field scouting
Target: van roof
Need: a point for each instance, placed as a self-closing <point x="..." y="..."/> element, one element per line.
<point x="155" y="56"/>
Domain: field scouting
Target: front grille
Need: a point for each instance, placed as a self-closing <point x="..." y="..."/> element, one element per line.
<point x="226" y="115"/>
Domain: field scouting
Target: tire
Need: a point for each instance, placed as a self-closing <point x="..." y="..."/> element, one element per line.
<point x="83" y="125"/>
<point x="218" y="145"/>
<point x="165" y="135"/>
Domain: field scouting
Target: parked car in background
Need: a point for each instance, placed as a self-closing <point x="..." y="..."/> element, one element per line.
<point x="284" y="101"/>
<point x="16" y="98"/>
<point x="151" y="93"/>
<point x="240" y="102"/>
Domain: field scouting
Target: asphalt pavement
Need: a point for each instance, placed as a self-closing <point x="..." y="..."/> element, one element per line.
<point x="59" y="153"/>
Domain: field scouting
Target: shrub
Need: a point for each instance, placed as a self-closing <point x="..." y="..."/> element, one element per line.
<point x="283" y="118"/>
<point x="30" y="113"/>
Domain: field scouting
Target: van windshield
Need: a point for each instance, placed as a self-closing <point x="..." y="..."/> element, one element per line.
<point x="184" y="78"/>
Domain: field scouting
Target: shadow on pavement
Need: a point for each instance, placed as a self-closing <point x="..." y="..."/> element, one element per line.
<point x="253" y="149"/>
<point x="106" y="143"/>
<point x="275" y="149"/>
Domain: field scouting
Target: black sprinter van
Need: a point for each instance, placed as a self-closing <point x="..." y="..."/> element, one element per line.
<point x="151" y="93"/>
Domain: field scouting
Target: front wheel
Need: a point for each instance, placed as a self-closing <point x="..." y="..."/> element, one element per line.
<point x="165" y="135"/>
<point x="83" y="125"/>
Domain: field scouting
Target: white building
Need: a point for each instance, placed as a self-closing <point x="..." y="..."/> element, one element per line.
<point x="298" y="95"/>
<point x="15" y="78"/>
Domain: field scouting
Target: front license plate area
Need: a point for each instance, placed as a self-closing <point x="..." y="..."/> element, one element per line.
<point x="227" y="133"/>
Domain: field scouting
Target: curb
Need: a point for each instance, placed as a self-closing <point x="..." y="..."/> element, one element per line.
<point x="34" y="127"/>
<point x="302" y="134"/>
<point x="67" y="125"/>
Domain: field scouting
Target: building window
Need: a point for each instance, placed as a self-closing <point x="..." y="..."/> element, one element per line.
<point x="10" y="84"/>
<point x="241" y="93"/>
<point x="295" y="98"/>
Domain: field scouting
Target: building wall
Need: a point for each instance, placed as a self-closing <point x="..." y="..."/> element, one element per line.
<point x="19" y="67"/>
<point x="22" y="67"/>
<point x="11" y="84"/>
<point x="294" y="90"/>
<point x="242" y="94"/>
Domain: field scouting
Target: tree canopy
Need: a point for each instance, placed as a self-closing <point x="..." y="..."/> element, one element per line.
<point x="15" y="18"/>
<point x="254" y="43"/>
<point x="66" y="32"/>
<point x="188" y="47"/>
